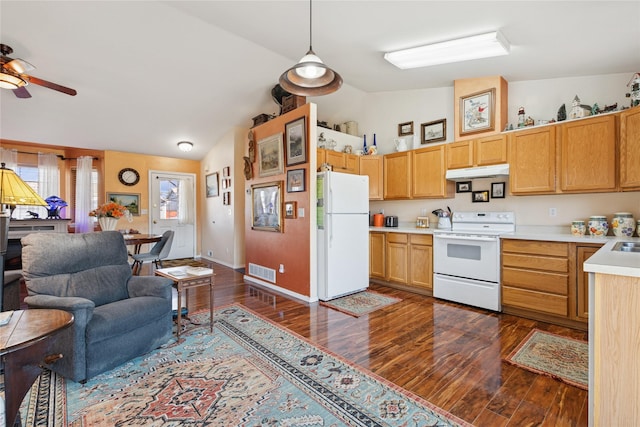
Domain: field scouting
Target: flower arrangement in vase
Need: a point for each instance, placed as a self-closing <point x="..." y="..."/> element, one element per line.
<point x="108" y="215"/>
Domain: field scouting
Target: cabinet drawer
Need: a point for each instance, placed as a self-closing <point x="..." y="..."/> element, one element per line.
<point x="558" y="265"/>
<point x="536" y="280"/>
<point x="536" y="247"/>
<point x="420" y="239"/>
<point x="532" y="300"/>
<point x="397" y="238"/>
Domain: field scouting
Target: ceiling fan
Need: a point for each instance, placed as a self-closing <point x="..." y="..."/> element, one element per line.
<point x="13" y="75"/>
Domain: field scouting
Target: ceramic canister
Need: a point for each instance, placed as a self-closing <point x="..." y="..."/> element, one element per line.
<point x="623" y="224"/>
<point x="638" y="228"/>
<point x="578" y="228"/>
<point x="598" y="225"/>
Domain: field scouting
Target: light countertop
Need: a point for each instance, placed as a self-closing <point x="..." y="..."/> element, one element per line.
<point x="603" y="261"/>
<point x="607" y="261"/>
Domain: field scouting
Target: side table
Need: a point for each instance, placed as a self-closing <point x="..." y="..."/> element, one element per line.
<point x="185" y="281"/>
<point x="24" y="348"/>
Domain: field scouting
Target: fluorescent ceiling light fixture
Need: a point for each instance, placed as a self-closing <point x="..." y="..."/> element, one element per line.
<point x="464" y="49"/>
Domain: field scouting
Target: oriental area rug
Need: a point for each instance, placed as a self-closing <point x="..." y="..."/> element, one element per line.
<point x="361" y="303"/>
<point x="562" y="358"/>
<point x="249" y="372"/>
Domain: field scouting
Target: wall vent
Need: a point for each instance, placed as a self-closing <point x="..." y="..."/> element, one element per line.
<point x="268" y="274"/>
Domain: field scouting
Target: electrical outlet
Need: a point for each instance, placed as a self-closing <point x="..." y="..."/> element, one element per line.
<point x="281" y="269"/>
<point x="553" y="212"/>
<point x="209" y="253"/>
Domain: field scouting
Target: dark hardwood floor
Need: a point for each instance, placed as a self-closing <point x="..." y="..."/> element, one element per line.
<point x="449" y="354"/>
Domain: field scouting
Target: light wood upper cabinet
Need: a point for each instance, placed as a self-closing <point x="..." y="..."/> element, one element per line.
<point x="490" y="150"/>
<point x="397" y="175"/>
<point x="460" y="154"/>
<point x="630" y="149"/>
<point x="588" y="155"/>
<point x="341" y="162"/>
<point x="372" y="166"/>
<point x="428" y="173"/>
<point x="532" y="160"/>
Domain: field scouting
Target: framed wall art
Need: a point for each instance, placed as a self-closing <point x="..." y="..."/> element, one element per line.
<point x="295" y="180"/>
<point x="212" y="185"/>
<point x="497" y="190"/>
<point x="226" y="198"/>
<point x="433" y="131"/>
<point x="296" y="142"/>
<point x="290" y="210"/>
<point x="266" y="206"/>
<point x="477" y="112"/>
<point x="131" y="201"/>
<point x="226" y="171"/>
<point x="270" y="159"/>
<point x="480" y="196"/>
<point x="463" y="187"/>
<point x="405" y="129"/>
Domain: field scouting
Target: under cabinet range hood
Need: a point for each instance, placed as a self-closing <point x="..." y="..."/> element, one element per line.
<point x="478" y="172"/>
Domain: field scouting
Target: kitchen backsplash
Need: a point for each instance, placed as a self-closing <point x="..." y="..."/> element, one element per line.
<point x="530" y="210"/>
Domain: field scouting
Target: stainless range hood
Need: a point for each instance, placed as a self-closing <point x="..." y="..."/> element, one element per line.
<point x="478" y="172"/>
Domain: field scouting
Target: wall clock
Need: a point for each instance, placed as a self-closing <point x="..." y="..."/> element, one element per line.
<point x="129" y="176"/>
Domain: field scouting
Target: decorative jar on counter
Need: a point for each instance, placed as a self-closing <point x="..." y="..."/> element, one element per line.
<point x="578" y="228"/>
<point x="598" y="226"/>
<point x="623" y="224"/>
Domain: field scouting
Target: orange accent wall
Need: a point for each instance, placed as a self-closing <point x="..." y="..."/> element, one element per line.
<point x="291" y="247"/>
<point x="114" y="161"/>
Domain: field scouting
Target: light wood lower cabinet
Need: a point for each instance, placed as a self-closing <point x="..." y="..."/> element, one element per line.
<point x="397" y="257"/>
<point x="535" y="276"/>
<point x="583" y="253"/>
<point x="421" y="261"/>
<point x="377" y="243"/>
<point x="403" y="260"/>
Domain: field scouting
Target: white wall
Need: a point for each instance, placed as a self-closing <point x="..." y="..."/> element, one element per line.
<point x="223" y="225"/>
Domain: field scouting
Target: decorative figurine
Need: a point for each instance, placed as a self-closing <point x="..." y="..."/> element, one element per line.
<point x="252" y="147"/>
<point x="579" y="110"/>
<point x="562" y="113"/>
<point x="34" y="215"/>
<point x="321" y="140"/>
<point x="248" y="168"/>
<point x="595" y="109"/>
<point x="529" y="121"/>
<point x="521" y="117"/>
<point x="55" y="204"/>
<point x="634" y="93"/>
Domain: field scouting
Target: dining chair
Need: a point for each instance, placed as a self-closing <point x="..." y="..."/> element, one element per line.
<point x="158" y="252"/>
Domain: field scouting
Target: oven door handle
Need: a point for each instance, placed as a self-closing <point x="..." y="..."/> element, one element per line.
<point x="477" y="239"/>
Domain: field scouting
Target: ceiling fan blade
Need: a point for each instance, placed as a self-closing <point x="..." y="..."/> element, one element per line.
<point x="22" y="92"/>
<point x="20" y="66"/>
<point x="54" y="86"/>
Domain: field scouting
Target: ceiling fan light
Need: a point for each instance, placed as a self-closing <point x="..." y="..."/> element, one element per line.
<point x="185" y="146"/>
<point x="9" y="80"/>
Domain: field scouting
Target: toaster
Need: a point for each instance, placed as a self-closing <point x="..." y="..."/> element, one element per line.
<point x="391" y="221"/>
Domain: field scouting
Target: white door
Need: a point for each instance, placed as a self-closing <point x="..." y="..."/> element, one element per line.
<point x="173" y="207"/>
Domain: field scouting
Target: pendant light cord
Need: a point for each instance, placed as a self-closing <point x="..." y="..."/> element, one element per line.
<point x="310" y="23"/>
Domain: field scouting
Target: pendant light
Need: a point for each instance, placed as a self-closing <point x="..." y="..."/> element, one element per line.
<point x="310" y="77"/>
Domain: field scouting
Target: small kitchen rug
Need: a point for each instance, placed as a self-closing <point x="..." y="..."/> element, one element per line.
<point x="565" y="359"/>
<point x="361" y="303"/>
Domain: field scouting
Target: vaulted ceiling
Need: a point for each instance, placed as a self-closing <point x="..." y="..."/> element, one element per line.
<point x="149" y="73"/>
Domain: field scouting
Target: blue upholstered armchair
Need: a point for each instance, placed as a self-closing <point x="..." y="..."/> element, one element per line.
<point x="117" y="316"/>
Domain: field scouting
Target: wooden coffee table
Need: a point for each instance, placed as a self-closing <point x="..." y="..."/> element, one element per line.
<point x="185" y="281"/>
<point x="25" y="347"/>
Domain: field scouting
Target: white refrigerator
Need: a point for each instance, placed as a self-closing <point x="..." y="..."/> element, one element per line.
<point x="343" y="234"/>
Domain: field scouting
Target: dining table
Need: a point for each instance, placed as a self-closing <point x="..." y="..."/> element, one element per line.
<point x="138" y="239"/>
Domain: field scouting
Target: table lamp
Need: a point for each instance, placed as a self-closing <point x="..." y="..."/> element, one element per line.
<point x="13" y="191"/>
